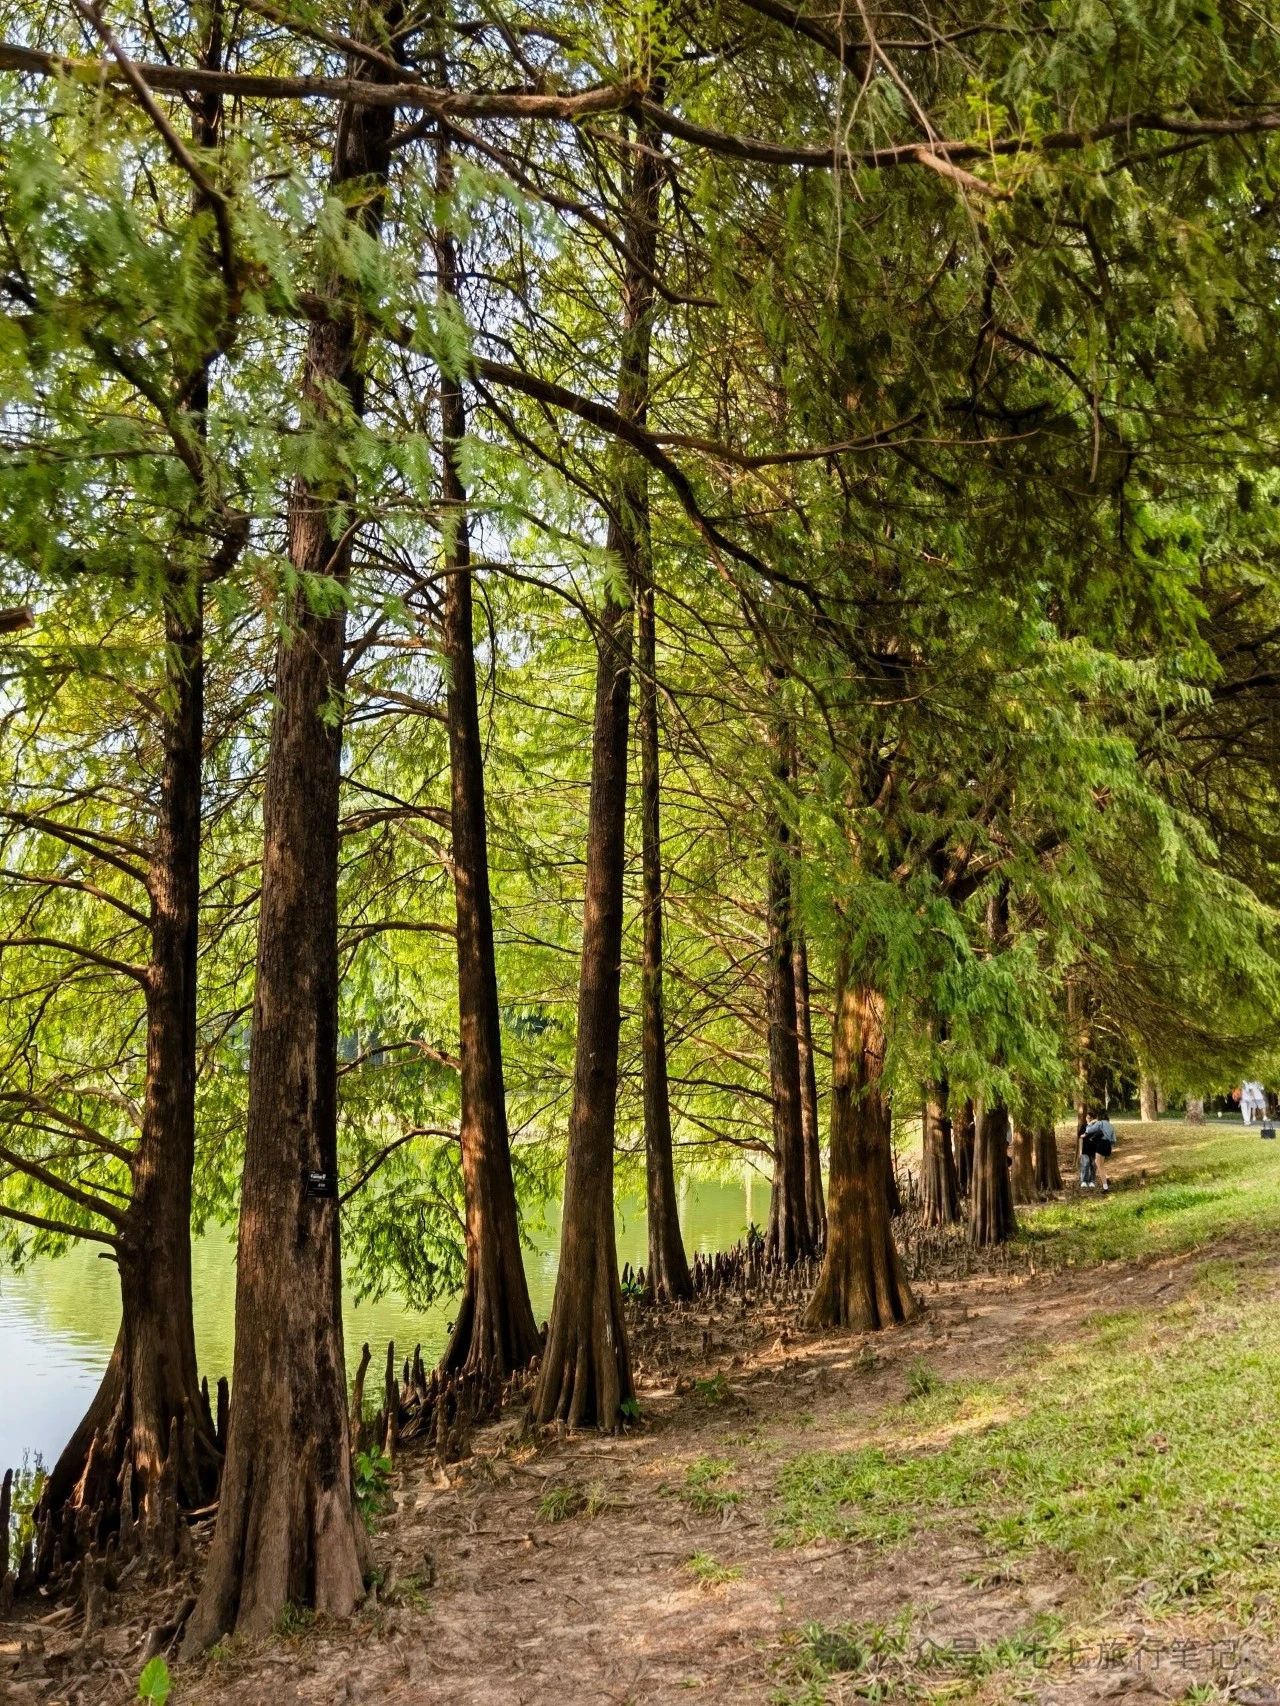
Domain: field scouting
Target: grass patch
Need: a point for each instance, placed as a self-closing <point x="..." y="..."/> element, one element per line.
<point x="1145" y="1456"/>
<point x="708" y="1573"/>
<point x="560" y="1503"/>
<point x="896" y="1662"/>
<point x="922" y="1381"/>
<point x="702" y="1491"/>
<point x="1205" y="1183"/>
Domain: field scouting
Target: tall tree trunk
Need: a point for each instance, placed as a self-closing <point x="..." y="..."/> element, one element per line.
<point x="586" y="1367"/>
<point x="1022" y="1177"/>
<point x="939" y="1185"/>
<point x="862" y="1284"/>
<point x="790" y="1237"/>
<point x="668" y="1274"/>
<point x="585" y="1375"/>
<point x="815" y="1205"/>
<point x="1048" y="1172"/>
<point x="151" y="1379"/>
<point x="151" y="1382"/>
<point x="287" y="1529"/>
<point x="991" y="1216"/>
<point x="1148" y="1098"/>
<point x="495" y="1331"/>
<point x="962" y="1141"/>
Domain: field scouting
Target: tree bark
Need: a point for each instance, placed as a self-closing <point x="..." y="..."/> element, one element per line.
<point x="151" y="1379"/>
<point x="939" y="1185"/>
<point x="790" y="1237"/>
<point x="1022" y="1177"/>
<point x="815" y="1205"/>
<point x="1148" y="1098"/>
<point x="585" y="1375"/>
<point x="1048" y="1171"/>
<point x="862" y="1284"/>
<point x="668" y="1272"/>
<point x="991" y="1217"/>
<point x="495" y="1331"/>
<point x="962" y="1136"/>
<point x="287" y="1529"/>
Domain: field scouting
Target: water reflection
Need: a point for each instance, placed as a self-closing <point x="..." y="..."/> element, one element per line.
<point x="58" y="1319"/>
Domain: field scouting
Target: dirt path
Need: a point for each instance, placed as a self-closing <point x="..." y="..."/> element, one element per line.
<point x="484" y="1600"/>
<point x="603" y="1607"/>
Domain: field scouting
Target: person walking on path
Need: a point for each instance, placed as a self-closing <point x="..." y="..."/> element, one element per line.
<point x="1097" y="1140"/>
<point x="1253" y="1100"/>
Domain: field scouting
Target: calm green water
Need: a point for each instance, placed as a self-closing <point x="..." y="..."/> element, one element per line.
<point x="58" y="1319"/>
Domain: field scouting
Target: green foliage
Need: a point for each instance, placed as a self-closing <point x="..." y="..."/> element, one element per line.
<point x="922" y="1380"/>
<point x="964" y="483"/>
<point x="155" y="1682"/>
<point x="372" y="1481"/>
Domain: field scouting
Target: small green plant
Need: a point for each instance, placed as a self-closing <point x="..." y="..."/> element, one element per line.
<point x="409" y="1590"/>
<point x="372" y="1483"/>
<point x="155" y="1682"/>
<point x="293" y="1619"/>
<point x="630" y="1408"/>
<point x="709" y="1573"/>
<point x="921" y="1380"/>
<point x="631" y="1287"/>
<point x="557" y="1504"/>
<point x="714" y="1389"/>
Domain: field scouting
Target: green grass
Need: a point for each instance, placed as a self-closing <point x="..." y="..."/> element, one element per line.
<point x="895" y="1662"/>
<point x="566" y="1500"/>
<point x="1205" y="1183"/>
<point x="1146" y="1456"/>
<point x="709" y="1573"/>
<point x="702" y="1491"/>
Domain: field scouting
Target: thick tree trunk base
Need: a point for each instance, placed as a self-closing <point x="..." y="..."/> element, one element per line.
<point x="145" y="1448"/>
<point x="862" y="1285"/>
<point x="585" y="1377"/>
<point x="991" y="1216"/>
<point x="939" y="1185"/>
<point x="1022" y="1176"/>
<point x="1048" y="1169"/>
<point x="494" y="1334"/>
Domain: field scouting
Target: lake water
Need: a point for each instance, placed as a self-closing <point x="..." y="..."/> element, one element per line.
<point x="58" y="1319"/>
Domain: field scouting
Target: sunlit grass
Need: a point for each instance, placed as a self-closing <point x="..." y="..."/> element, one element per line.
<point x="1204" y="1183"/>
<point x="1144" y="1457"/>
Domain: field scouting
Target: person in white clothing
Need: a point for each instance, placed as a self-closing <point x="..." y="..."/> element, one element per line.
<point x="1253" y="1100"/>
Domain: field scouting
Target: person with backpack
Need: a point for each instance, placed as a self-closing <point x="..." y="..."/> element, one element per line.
<point x="1097" y="1140"/>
